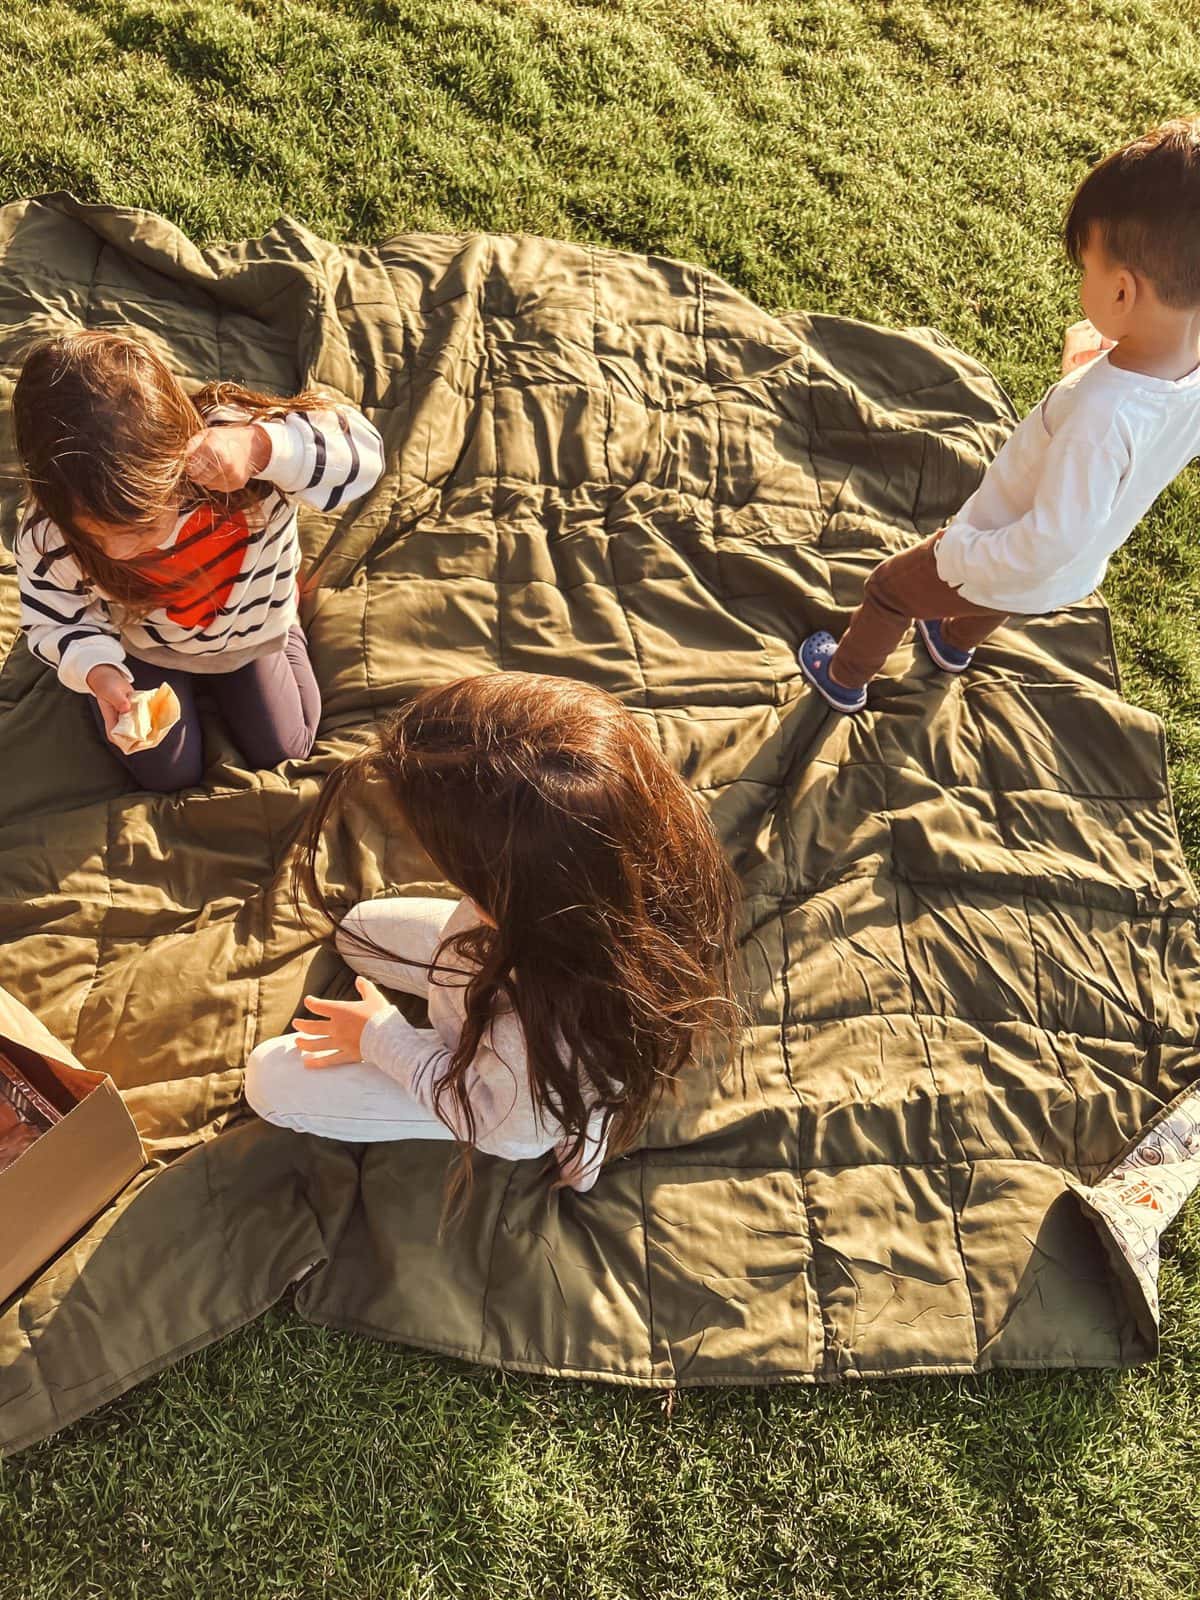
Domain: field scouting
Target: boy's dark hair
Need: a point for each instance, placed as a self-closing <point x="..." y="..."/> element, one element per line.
<point x="1143" y="201"/>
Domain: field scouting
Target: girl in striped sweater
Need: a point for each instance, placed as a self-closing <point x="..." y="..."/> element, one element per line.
<point x="159" y="542"/>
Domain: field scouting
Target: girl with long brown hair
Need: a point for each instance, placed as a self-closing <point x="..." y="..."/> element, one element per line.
<point x="590" y="954"/>
<point x="159" y="541"/>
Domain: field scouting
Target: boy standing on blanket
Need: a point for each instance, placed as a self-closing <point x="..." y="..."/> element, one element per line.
<point x="1077" y="475"/>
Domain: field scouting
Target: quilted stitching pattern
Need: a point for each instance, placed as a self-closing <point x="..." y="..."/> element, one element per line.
<point x="970" y="937"/>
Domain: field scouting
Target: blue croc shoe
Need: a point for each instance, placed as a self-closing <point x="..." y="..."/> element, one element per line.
<point x="940" y="653"/>
<point x="814" y="657"/>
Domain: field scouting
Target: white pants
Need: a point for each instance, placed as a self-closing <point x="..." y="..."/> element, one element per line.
<point x="356" y="1102"/>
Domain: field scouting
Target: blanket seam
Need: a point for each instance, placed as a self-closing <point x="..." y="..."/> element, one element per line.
<point x="947" y="1165"/>
<point x="491" y="1258"/>
<point x="793" y="1376"/>
<point x="606" y="519"/>
<point x="812" y="1294"/>
<point x="650" y="1320"/>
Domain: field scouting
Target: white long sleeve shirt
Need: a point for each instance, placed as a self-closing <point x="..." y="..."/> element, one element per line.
<point x="243" y="600"/>
<point x="508" y="1121"/>
<point x="1069" y="486"/>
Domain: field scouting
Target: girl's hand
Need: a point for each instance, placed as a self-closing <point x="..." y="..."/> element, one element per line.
<point x="1081" y="344"/>
<point x="225" y="459"/>
<point x="113" y="692"/>
<point x="335" y="1038"/>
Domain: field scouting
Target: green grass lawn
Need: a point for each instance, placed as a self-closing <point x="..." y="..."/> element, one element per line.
<point x="903" y="162"/>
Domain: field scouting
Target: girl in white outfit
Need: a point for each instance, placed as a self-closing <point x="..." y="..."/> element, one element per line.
<point x="569" y="987"/>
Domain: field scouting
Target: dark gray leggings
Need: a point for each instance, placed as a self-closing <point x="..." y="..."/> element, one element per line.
<point x="271" y="707"/>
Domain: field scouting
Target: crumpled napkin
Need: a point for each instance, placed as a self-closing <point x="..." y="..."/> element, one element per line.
<point x="148" y="721"/>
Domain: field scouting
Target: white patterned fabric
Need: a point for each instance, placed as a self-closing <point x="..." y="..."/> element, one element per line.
<point x="1144" y="1193"/>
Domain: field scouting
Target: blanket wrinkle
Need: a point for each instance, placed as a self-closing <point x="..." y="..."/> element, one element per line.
<point x="970" y="936"/>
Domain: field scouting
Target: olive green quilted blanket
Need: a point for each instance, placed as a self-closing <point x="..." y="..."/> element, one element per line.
<point x="970" y="940"/>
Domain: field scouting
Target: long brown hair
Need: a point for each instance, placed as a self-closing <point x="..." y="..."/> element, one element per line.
<point x="102" y="427"/>
<point x="544" y="801"/>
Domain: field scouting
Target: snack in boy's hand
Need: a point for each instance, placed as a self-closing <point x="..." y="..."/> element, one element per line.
<point x="151" y="716"/>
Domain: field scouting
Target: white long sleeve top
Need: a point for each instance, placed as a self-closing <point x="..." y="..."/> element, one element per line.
<point x="1069" y="486"/>
<point x="508" y="1122"/>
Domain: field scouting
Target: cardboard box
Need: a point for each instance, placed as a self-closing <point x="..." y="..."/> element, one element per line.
<point x="86" y="1148"/>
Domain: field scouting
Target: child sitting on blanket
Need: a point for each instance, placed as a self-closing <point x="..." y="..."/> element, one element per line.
<point x="159" y="542"/>
<point x="1080" y="471"/>
<point x="592" y="951"/>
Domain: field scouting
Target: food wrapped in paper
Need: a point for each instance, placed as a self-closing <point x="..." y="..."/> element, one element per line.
<point x="150" y="718"/>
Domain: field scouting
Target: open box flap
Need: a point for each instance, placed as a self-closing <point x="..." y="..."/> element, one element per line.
<point x="62" y="1180"/>
<point x="19" y="1026"/>
<point x="71" y="1171"/>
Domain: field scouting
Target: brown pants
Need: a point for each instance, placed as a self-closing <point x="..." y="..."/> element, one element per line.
<point x="902" y="588"/>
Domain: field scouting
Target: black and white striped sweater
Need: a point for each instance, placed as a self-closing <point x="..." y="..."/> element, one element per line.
<point x="244" y="600"/>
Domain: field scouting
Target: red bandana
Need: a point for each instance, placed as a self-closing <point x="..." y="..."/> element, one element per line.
<point x="208" y="551"/>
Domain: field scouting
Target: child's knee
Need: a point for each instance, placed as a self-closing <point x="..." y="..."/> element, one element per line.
<point x="358" y="934"/>
<point x="881" y="590"/>
<point x="876" y="586"/>
<point x="271" y="1079"/>
<point x="272" y="747"/>
<point x="296" y="744"/>
<point x="169" y="778"/>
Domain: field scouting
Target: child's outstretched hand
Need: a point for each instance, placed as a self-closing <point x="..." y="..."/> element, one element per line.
<point x="1083" y="343"/>
<point x="225" y="459"/>
<point x="334" y="1039"/>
